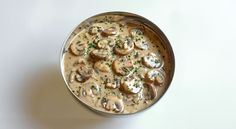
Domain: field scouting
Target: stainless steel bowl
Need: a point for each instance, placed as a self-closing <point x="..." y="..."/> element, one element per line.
<point x="165" y="44"/>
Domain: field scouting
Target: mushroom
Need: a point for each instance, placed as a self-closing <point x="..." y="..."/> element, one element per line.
<point x="90" y="89"/>
<point x="122" y="66"/>
<point x="131" y="85"/>
<point x="113" y="85"/>
<point x="83" y="73"/>
<point x="112" y="103"/>
<point x="131" y="99"/>
<point x="155" y="76"/>
<point x="124" y="46"/>
<point x="141" y="43"/>
<point x="93" y="30"/>
<point x="82" y="61"/>
<point x="109" y="32"/>
<point x="102" y="66"/>
<point x="105" y="43"/>
<point x="141" y="72"/>
<point x="72" y="76"/>
<point x="151" y="60"/>
<point x="78" y="48"/>
<point x="135" y="32"/>
<point x="100" y="54"/>
<point x="150" y="91"/>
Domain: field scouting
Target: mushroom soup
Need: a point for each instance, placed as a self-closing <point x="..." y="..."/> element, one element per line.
<point x="116" y="64"/>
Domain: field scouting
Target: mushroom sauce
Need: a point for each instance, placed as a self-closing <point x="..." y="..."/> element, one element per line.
<point x="115" y="64"/>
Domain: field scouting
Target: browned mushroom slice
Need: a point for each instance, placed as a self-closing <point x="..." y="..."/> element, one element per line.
<point x="124" y="47"/>
<point x="122" y="67"/>
<point x="93" y="30"/>
<point x="141" y="72"/>
<point x="78" y="48"/>
<point x="141" y="43"/>
<point x="102" y="66"/>
<point x="106" y="43"/>
<point x="100" y="54"/>
<point x="131" y="99"/>
<point x="131" y="85"/>
<point x="112" y="103"/>
<point x="160" y="78"/>
<point x="150" y="91"/>
<point x="113" y="85"/>
<point x="151" y="60"/>
<point x="72" y="76"/>
<point x="109" y="32"/>
<point x="156" y="76"/>
<point x="90" y="89"/>
<point x="135" y="32"/>
<point x="79" y="78"/>
<point x="83" y="73"/>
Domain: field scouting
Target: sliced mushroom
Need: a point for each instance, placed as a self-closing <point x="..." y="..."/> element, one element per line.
<point x="93" y="30"/>
<point x="102" y="66"/>
<point x="122" y="66"/>
<point x="141" y="43"/>
<point x="100" y="54"/>
<point x="72" y="76"/>
<point x="112" y="103"/>
<point x="106" y="43"/>
<point x="151" y="60"/>
<point x="124" y="46"/>
<point x="103" y="44"/>
<point x="109" y="32"/>
<point x="113" y="85"/>
<point x="160" y="78"/>
<point x="83" y="73"/>
<point x="135" y="32"/>
<point x="90" y="89"/>
<point x="131" y="85"/>
<point x="141" y="72"/>
<point x="79" y="78"/>
<point x="78" y="48"/>
<point x="151" y="75"/>
<point x="156" y="76"/>
<point x="131" y="99"/>
<point x="150" y="91"/>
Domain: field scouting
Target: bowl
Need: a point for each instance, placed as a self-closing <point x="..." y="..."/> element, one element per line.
<point x="99" y="96"/>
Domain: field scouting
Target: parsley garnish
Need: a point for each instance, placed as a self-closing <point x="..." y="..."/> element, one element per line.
<point x="91" y="45"/>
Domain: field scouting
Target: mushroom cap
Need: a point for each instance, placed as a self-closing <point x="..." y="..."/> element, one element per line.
<point x="156" y="76"/>
<point x="109" y="31"/>
<point x="130" y="85"/>
<point x="93" y="30"/>
<point x="141" y="43"/>
<point x="100" y="54"/>
<point x="135" y="32"/>
<point x="112" y="103"/>
<point x="90" y="89"/>
<point x="122" y="66"/>
<point x="78" y="48"/>
<point x="83" y="73"/>
<point x="124" y="47"/>
<point x="151" y="60"/>
<point x="102" y="66"/>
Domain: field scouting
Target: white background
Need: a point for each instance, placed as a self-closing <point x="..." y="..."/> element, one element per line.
<point x="201" y="96"/>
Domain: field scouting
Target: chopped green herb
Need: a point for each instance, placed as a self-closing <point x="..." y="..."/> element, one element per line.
<point x="91" y="45"/>
<point x="136" y="70"/>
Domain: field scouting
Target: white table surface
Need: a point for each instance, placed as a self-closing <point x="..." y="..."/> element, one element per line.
<point x="201" y="96"/>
